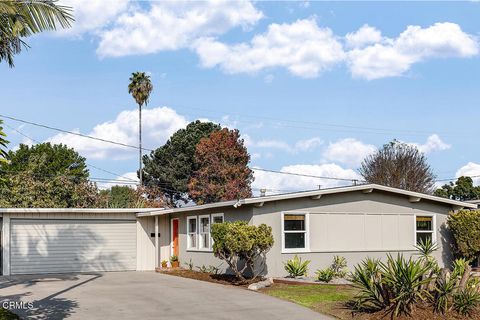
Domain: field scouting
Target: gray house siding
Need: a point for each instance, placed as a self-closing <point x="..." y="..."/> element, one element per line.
<point x="355" y="225"/>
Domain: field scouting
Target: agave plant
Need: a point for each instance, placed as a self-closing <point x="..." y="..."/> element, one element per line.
<point x="296" y="268"/>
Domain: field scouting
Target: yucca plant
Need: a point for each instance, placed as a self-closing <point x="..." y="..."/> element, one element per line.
<point x="296" y="267"/>
<point x="367" y="277"/>
<point x="325" y="275"/>
<point x="339" y="266"/>
<point x="444" y="288"/>
<point x="426" y="248"/>
<point x="466" y="301"/>
<point x="459" y="267"/>
<point x="405" y="280"/>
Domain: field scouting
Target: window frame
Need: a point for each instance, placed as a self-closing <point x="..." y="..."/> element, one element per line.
<point x="306" y="232"/>
<point x="200" y="233"/>
<point x="433" y="232"/>
<point x="214" y="215"/>
<point x="189" y="246"/>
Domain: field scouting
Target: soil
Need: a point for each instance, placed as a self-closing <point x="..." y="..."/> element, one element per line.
<point x="226" y="279"/>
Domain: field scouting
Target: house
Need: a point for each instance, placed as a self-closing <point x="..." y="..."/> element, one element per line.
<point x="355" y="222"/>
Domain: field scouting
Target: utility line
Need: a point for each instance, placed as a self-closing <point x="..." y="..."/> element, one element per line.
<point x="305" y="175"/>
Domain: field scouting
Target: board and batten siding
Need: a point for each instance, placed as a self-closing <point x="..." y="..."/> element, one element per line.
<point x="44" y="242"/>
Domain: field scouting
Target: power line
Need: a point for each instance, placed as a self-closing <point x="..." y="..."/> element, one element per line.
<point x="73" y="133"/>
<point x="305" y="175"/>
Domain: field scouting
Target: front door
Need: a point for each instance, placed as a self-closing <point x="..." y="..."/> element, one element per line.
<point x="175" y="237"/>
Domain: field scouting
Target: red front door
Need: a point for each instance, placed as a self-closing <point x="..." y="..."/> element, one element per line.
<point x="175" y="237"/>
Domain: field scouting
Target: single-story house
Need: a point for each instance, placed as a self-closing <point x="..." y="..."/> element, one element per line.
<point x="355" y="222"/>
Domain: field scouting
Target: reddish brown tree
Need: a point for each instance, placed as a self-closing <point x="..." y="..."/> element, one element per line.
<point x="221" y="169"/>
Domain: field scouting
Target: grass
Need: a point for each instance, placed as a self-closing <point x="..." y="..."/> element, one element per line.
<point x="324" y="298"/>
<point x="7" y="315"/>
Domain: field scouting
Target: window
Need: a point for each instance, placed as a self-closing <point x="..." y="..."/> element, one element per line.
<point x="424" y="228"/>
<point x="295" y="237"/>
<point x="191" y="232"/>
<point x="217" y="218"/>
<point x="204" y="232"/>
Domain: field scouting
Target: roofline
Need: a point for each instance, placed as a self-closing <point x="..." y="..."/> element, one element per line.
<point x="76" y="210"/>
<point x="303" y="194"/>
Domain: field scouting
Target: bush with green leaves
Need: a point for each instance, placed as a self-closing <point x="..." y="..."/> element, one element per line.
<point x="465" y="228"/>
<point x="339" y="267"/>
<point x="325" y="275"/>
<point x="244" y="247"/>
<point x="296" y="267"/>
<point x="466" y="301"/>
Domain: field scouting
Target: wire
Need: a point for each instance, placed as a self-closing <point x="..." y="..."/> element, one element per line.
<point x="74" y="133"/>
<point x="305" y="175"/>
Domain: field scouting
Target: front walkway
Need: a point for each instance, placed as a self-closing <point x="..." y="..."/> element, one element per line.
<point x="141" y="295"/>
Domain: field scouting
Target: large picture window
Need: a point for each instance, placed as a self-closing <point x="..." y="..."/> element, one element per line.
<point x="295" y="236"/>
<point x="204" y="232"/>
<point x="192" y="233"/>
<point x="424" y="229"/>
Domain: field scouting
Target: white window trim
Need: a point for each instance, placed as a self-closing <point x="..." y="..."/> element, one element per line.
<point x="209" y="248"/>
<point x="214" y="215"/>
<point x="307" y="233"/>
<point x="189" y="247"/>
<point x="434" y="227"/>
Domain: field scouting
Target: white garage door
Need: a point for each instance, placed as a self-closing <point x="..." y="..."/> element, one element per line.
<point x="50" y="246"/>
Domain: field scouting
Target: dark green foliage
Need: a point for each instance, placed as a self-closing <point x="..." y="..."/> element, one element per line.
<point x="373" y="295"/>
<point x="466" y="301"/>
<point x="465" y="228"/>
<point x="242" y="246"/>
<point x="463" y="190"/>
<point x="296" y="267"/>
<point x="3" y="145"/>
<point x="119" y="197"/>
<point x="171" y="166"/>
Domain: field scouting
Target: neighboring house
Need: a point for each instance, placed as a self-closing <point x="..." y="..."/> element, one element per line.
<point x="355" y="222"/>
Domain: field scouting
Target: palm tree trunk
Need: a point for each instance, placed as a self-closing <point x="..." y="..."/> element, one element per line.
<point x="140" y="143"/>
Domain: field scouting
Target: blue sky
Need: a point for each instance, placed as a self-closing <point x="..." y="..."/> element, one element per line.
<point x="312" y="86"/>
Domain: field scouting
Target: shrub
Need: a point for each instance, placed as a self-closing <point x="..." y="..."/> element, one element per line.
<point x="296" y="268"/>
<point x="173" y="258"/>
<point x="465" y="226"/>
<point x="189" y="264"/>
<point x="444" y="288"/>
<point x="467" y="300"/>
<point x="325" y="275"/>
<point x="237" y="242"/>
<point x="459" y="267"/>
<point x="339" y="266"/>
<point x="368" y="278"/>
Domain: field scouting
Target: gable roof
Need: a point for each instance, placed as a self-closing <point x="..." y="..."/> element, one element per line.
<point x="414" y="197"/>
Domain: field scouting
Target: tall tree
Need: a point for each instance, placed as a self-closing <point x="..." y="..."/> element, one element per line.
<point x="463" y="189"/>
<point x="222" y="171"/>
<point x="46" y="175"/>
<point x="399" y="165"/>
<point x="170" y="167"/>
<point x="127" y="197"/>
<point x="3" y="145"/>
<point x="23" y="18"/>
<point x="140" y="88"/>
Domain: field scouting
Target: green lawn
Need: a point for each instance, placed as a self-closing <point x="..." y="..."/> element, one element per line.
<point x="327" y="299"/>
<point x="7" y="315"/>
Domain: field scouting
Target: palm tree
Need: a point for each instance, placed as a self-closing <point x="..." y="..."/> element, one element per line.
<point x="23" y="18"/>
<point x="3" y="145"/>
<point x="140" y="88"/>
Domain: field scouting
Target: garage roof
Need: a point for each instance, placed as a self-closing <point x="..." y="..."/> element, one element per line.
<point x="367" y="188"/>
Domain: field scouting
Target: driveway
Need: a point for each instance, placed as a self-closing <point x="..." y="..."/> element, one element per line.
<point x="140" y="295"/>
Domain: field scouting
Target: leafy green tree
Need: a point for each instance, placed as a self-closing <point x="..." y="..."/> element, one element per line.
<point x="140" y="87"/>
<point x="170" y="167"/>
<point x="244" y="247"/>
<point x="23" y="18"/>
<point x="463" y="189"/>
<point x="399" y="165"/>
<point x="3" y="145"/>
<point x="127" y="197"/>
<point x="465" y="228"/>
<point x="222" y="171"/>
<point x="46" y="175"/>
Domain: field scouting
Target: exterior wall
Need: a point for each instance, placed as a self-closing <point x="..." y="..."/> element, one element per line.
<point x="354" y="225"/>
<point x="6" y="219"/>
<point x="146" y="243"/>
<point x="206" y="257"/>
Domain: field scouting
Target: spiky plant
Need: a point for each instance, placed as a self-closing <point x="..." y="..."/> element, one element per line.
<point x="367" y="277"/>
<point x="296" y="267"/>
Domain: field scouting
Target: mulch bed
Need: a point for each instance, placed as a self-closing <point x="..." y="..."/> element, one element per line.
<point x="226" y="279"/>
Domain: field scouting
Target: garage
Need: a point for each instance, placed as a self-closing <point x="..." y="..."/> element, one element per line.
<point x="72" y="245"/>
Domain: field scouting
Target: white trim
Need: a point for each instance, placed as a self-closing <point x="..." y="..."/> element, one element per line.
<point x="189" y="247"/>
<point x="220" y="214"/>
<point x="200" y="233"/>
<point x="306" y="231"/>
<point x="157" y="251"/>
<point x="171" y="234"/>
<point x="434" y="226"/>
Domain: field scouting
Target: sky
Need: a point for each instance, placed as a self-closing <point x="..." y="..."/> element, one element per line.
<point x="313" y="87"/>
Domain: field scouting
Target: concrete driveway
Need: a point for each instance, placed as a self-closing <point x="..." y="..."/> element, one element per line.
<point x="140" y="295"/>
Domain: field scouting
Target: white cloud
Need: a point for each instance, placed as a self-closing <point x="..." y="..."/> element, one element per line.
<point x="170" y="25"/>
<point x="302" y="47"/>
<point x="92" y="15"/>
<point x="299" y="146"/>
<point x="308" y="144"/>
<point x="348" y="151"/>
<point x="130" y="179"/>
<point x="470" y="169"/>
<point x="364" y="36"/>
<point x="433" y="143"/>
<point x="393" y="57"/>
<point x="283" y="182"/>
<point x="158" y="125"/>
